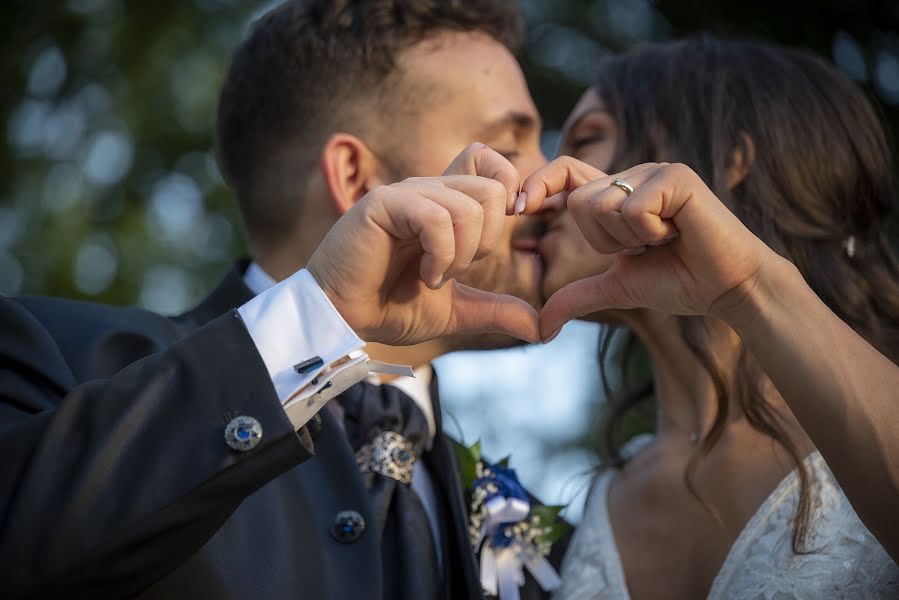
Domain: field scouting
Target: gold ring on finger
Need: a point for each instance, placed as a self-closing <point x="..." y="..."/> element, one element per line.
<point x="628" y="188"/>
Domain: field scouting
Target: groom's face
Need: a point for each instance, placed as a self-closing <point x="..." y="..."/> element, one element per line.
<point x="461" y="88"/>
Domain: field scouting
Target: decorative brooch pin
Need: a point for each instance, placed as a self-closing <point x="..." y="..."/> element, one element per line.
<point x="510" y="532"/>
<point x="389" y="454"/>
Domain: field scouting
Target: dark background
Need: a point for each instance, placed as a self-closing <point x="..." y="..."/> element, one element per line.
<point x="109" y="191"/>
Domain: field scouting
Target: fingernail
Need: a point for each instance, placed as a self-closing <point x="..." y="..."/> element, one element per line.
<point x="437" y="282"/>
<point x="632" y="251"/>
<point x="661" y="242"/>
<point x="553" y="336"/>
<point x="520" y="203"/>
<point x="672" y="236"/>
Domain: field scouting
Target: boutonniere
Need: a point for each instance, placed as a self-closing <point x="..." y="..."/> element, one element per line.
<point x="510" y="532"/>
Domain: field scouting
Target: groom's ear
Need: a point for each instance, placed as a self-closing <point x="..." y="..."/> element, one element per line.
<point x="349" y="169"/>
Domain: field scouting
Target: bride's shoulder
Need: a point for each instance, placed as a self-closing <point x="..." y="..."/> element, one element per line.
<point x="840" y="553"/>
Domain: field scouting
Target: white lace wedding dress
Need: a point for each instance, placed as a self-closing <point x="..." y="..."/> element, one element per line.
<point x="761" y="564"/>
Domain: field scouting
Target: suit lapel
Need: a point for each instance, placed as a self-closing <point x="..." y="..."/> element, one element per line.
<point x="461" y="570"/>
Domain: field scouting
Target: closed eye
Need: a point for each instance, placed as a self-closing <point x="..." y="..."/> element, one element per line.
<point x="581" y="142"/>
<point x="510" y="155"/>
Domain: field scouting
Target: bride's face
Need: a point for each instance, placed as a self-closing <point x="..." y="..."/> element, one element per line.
<point x="590" y="135"/>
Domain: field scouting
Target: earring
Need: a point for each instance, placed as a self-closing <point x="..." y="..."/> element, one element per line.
<point x="849" y="246"/>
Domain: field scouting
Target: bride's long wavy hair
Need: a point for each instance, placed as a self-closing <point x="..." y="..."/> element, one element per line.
<point x="821" y="175"/>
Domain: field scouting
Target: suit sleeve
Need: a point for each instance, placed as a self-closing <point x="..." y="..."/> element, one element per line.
<point x="110" y="485"/>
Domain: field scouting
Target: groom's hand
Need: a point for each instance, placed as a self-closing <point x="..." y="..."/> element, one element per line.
<point x="679" y="249"/>
<point x="388" y="264"/>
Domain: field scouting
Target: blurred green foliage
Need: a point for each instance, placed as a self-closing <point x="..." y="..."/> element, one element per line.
<point x="109" y="190"/>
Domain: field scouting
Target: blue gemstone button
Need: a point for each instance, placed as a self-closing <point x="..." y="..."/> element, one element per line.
<point x="348" y="526"/>
<point x="243" y="433"/>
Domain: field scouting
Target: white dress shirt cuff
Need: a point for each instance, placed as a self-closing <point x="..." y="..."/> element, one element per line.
<point x="293" y="322"/>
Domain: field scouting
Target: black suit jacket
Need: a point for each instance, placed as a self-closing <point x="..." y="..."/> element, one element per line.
<point x="117" y="481"/>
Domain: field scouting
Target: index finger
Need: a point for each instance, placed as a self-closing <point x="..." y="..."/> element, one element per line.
<point x="480" y="159"/>
<point x="563" y="174"/>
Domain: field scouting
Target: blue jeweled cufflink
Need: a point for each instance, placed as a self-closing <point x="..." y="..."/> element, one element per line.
<point x="243" y="433"/>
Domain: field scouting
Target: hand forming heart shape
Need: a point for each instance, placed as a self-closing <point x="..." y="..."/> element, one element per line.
<point x="388" y="264"/>
<point x="680" y="250"/>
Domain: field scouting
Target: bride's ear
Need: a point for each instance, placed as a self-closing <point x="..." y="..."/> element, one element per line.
<point x="740" y="161"/>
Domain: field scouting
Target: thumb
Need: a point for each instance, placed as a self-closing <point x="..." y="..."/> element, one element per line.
<point x="580" y="298"/>
<point x="477" y="311"/>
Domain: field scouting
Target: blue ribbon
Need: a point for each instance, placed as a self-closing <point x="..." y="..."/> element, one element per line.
<point x="504" y="556"/>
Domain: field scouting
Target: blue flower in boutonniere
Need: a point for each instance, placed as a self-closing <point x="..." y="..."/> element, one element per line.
<point x="510" y="532"/>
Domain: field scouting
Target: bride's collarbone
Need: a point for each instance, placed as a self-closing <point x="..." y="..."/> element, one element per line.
<point x="673" y="541"/>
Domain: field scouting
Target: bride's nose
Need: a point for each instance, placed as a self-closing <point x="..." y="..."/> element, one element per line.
<point x="552" y="207"/>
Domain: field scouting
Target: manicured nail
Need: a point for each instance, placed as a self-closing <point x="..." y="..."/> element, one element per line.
<point x="632" y="251"/>
<point x="553" y="336"/>
<point x="520" y="203"/>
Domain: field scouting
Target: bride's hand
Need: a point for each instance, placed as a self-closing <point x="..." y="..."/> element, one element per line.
<point x="679" y="249"/>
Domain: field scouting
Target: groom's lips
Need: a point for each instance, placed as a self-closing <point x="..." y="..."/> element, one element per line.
<point x="528" y="249"/>
<point x="526" y="245"/>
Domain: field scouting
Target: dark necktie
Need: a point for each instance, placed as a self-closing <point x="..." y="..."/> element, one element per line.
<point x="388" y="432"/>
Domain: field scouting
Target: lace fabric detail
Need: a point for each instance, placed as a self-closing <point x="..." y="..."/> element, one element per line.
<point x="846" y="560"/>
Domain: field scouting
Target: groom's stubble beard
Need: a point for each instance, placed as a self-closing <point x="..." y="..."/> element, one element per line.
<point x="505" y="271"/>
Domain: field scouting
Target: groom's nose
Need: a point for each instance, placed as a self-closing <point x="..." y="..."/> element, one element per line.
<point x="530" y="162"/>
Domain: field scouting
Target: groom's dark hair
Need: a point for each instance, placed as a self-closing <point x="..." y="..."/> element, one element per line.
<point x="310" y="68"/>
